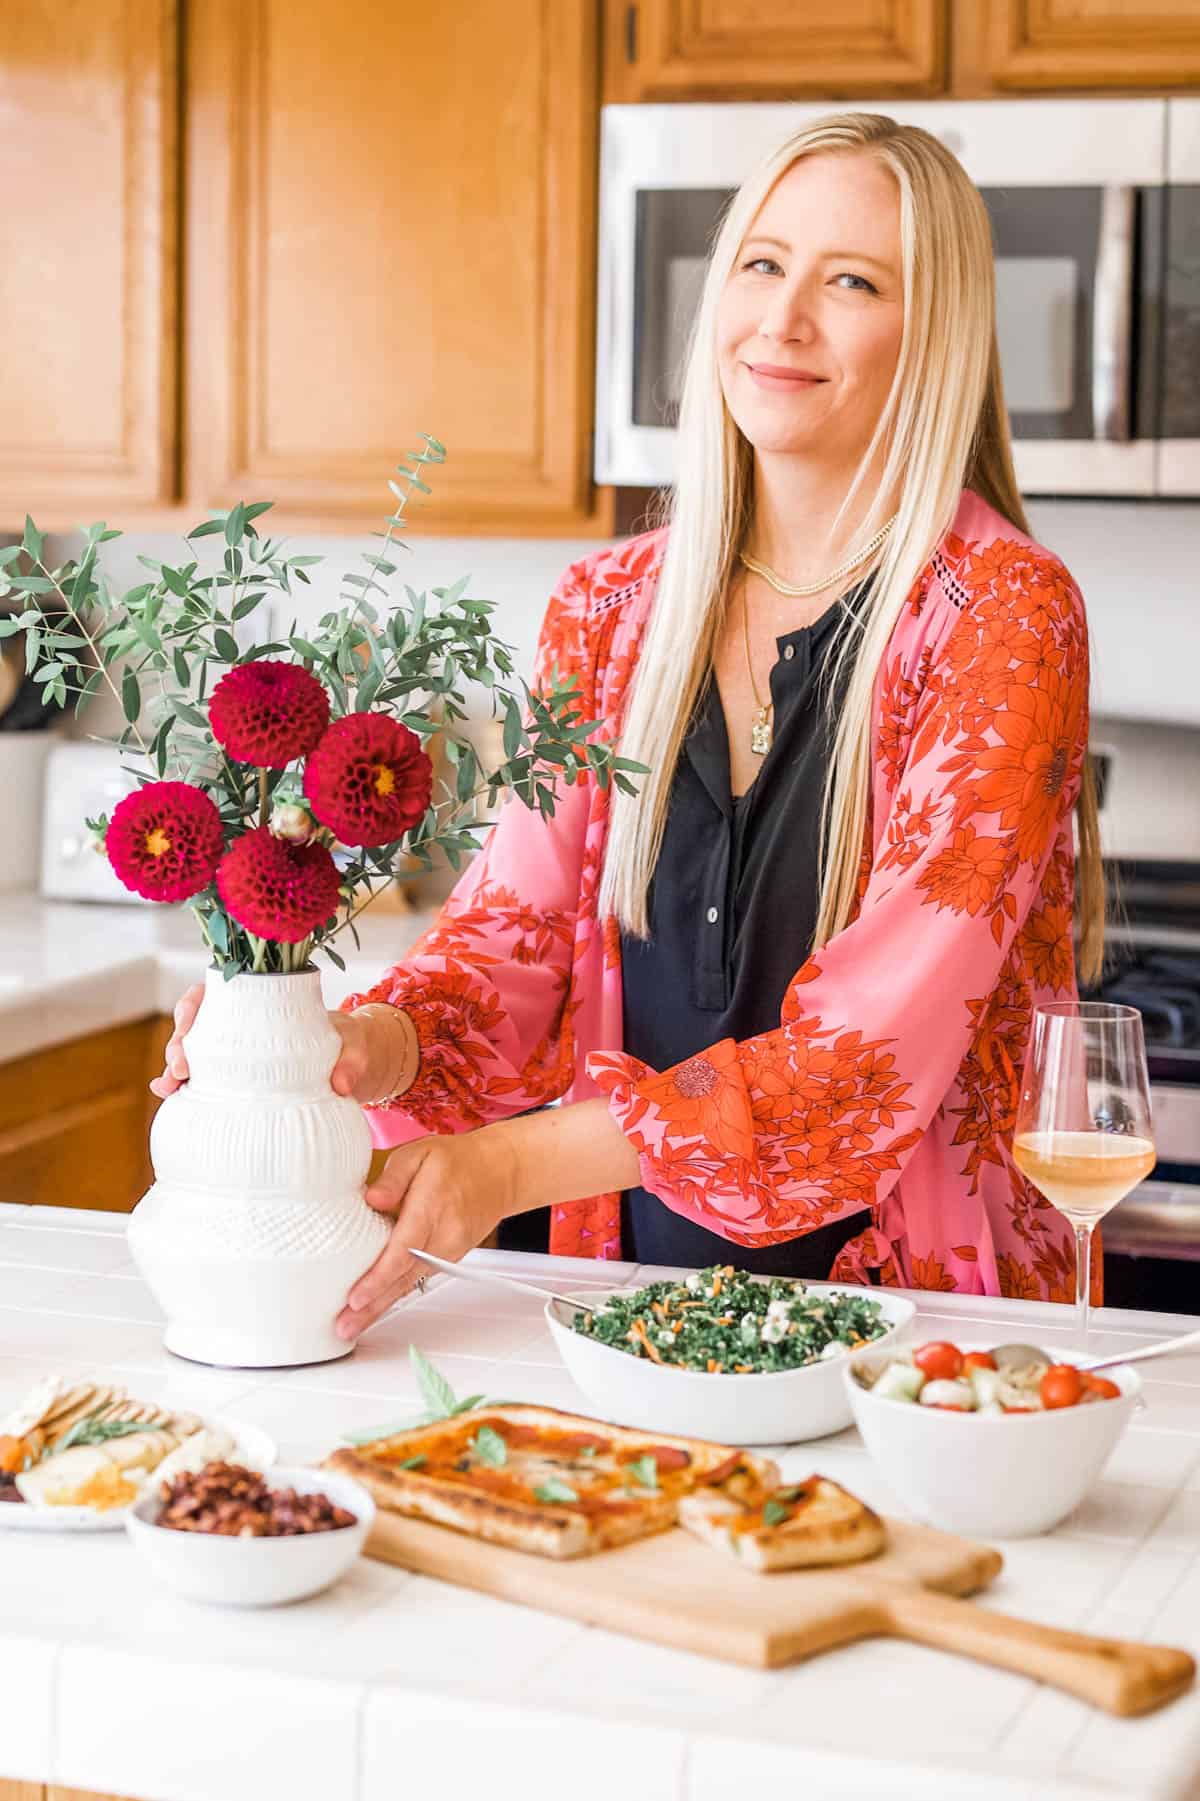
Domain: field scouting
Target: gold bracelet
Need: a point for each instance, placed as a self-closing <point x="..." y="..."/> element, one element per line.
<point x="405" y="1080"/>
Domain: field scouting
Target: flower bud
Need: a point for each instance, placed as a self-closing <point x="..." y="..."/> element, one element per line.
<point x="292" y="822"/>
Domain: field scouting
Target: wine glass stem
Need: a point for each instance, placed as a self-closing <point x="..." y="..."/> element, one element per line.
<point x="1083" y="1280"/>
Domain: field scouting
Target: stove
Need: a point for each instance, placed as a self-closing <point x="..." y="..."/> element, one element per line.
<point x="1152" y="1238"/>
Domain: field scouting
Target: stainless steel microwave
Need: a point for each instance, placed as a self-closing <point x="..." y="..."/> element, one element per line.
<point x="1095" y="209"/>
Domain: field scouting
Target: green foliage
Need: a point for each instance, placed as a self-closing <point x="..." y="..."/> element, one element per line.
<point x="162" y="645"/>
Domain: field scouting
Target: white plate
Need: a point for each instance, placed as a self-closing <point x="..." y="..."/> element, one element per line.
<point x="251" y="1446"/>
<point x="774" y="1407"/>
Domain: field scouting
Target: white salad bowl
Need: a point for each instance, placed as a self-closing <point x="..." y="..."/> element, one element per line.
<point x="988" y="1475"/>
<point x="774" y="1408"/>
<point x="256" y="1572"/>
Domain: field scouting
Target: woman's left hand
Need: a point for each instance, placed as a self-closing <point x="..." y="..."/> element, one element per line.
<point x="447" y="1194"/>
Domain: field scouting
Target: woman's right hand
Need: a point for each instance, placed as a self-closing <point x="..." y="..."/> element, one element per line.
<point x="376" y="1046"/>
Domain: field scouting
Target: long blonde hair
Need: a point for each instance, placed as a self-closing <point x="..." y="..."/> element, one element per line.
<point x="943" y="427"/>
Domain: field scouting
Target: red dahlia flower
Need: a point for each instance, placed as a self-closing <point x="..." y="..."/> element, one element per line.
<point x="276" y="889"/>
<point x="268" y="712"/>
<point x="368" y="779"/>
<point x="164" y="840"/>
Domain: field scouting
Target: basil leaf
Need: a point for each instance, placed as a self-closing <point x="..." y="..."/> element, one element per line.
<point x="490" y="1448"/>
<point x="554" y="1490"/>
<point x="644" y="1470"/>
<point x="436" y="1392"/>
<point x="775" y="1512"/>
<point x="412" y="1463"/>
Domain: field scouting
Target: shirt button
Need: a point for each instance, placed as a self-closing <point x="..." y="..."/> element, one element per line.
<point x="789" y="651"/>
<point x="712" y="916"/>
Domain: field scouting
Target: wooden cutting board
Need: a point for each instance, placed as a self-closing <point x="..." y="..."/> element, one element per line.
<point x="677" y="1591"/>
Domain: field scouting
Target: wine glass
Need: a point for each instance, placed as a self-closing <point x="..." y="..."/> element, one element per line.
<point x="1084" y="1135"/>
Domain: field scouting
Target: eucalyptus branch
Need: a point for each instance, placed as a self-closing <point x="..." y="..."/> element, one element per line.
<point x="81" y="626"/>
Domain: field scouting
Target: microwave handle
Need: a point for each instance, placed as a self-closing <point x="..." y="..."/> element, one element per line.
<point x="1112" y="316"/>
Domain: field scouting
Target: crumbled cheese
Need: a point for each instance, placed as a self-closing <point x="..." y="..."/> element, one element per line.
<point x="774" y="1330"/>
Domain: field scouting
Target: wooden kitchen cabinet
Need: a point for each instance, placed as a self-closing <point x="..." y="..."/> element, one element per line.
<point x="48" y="1791"/>
<point x="390" y="229"/>
<point x="1065" y="46"/>
<point x="773" y="49"/>
<point x="88" y="288"/>
<point x="75" y="1120"/>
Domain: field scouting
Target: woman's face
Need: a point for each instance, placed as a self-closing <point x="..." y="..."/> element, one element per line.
<point x="809" y="324"/>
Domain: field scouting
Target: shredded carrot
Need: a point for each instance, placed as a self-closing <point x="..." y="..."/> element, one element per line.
<point x="716" y="1286"/>
<point x="742" y="1369"/>
<point x="714" y="1368"/>
<point x="638" y="1331"/>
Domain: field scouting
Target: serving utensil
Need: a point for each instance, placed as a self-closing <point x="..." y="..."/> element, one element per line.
<point x="481" y="1275"/>
<point x="1015" y="1356"/>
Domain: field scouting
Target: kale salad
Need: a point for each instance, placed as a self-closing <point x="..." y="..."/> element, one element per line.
<point x="723" y="1321"/>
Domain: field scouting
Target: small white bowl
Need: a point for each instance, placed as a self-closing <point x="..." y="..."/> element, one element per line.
<point x="256" y="1572"/>
<point x="989" y="1475"/>
<point x="774" y="1408"/>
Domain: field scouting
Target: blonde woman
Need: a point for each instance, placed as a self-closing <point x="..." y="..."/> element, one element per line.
<point x="784" y="991"/>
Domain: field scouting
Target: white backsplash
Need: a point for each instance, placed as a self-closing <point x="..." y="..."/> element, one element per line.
<point x="1136" y="562"/>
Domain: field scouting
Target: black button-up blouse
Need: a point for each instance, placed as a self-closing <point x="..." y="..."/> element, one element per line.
<point x="732" y="913"/>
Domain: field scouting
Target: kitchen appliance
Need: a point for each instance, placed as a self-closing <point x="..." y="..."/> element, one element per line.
<point x="81" y="782"/>
<point x="1095" y="208"/>
<point x="1150" y="830"/>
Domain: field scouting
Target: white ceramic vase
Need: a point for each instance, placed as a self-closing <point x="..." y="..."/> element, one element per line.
<point x="255" y="1227"/>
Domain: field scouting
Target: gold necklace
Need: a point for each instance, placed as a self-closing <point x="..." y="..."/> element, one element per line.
<point x="798" y="593"/>
<point x="760" y="729"/>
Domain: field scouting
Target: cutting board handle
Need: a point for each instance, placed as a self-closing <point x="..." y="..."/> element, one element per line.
<point x="1113" y="1673"/>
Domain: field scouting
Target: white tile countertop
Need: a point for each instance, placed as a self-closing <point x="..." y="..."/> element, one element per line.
<point x="72" y="967"/>
<point x="394" y="1682"/>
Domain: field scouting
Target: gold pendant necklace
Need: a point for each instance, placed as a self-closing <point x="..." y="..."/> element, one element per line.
<point x="760" y="728"/>
<point x="799" y="593"/>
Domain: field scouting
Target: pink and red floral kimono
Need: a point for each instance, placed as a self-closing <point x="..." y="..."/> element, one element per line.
<point x="892" y="1077"/>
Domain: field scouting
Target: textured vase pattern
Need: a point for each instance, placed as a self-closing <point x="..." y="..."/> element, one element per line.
<point x="255" y="1227"/>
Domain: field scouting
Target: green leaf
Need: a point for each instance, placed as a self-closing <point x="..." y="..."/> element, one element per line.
<point x="333" y="956"/>
<point x="182" y="675"/>
<point x="467" y="1406"/>
<point x="512" y="727"/>
<point x="235" y="525"/>
<point x="131" y="699"/>
<point x="490" y="1448"/>
<point x="412" y="1463"/>
<point x="436" y="1392"/>
<point x="554" y="1490"/>
<point x="33" y="540"/>
<point x="643" y="1470"/>
<point x="226" y="645"/>
<point x="209" y="528"/>
<point x="93" y="1431"/>
<point x="775" y="1513"/>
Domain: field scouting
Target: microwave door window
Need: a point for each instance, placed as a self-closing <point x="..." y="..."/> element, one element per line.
<point x="1037" y="307"/>
<point x="675" y="231"/>
<point x="1048" y="244"/>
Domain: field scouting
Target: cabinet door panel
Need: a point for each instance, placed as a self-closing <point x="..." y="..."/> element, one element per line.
<point x="1075" y="45"/>
<point x="773" y="49"/>
<point x="87" y="279"/>
<point x="391" y="231"/>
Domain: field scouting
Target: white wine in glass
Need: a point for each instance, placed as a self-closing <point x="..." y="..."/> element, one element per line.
<point x="1084" y="1135"/>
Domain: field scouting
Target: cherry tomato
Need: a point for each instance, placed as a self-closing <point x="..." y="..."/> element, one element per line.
<point x="1061" y="1386"/>
<point x="1099" y="1388"/>
<point x="978" y="1360"/>
<point x="939" y="1361"/>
